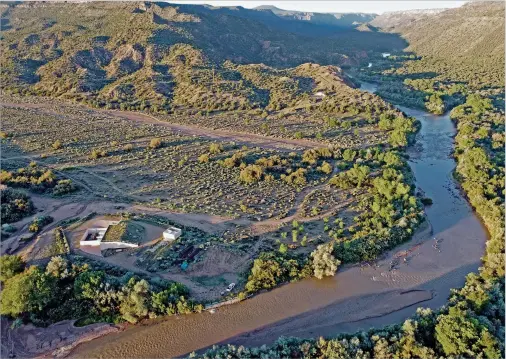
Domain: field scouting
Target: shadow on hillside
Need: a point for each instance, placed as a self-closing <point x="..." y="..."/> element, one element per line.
<point x="252" y="36"/>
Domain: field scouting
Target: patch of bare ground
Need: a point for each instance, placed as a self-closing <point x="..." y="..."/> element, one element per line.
<point x="219" y="260"/>
<point x="55" y="341"/>
<point x="204" y="222"/>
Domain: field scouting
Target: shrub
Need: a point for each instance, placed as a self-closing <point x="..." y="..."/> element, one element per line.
<point x="15" y="205"/>
<point x="56" y="144"/>
<point x="96" y="154"/>
<point x="325" y="168"/>
<point x="64" y="187"/>
<point x="10" y="266"/>
<point x="128" y="147"/>
<point x="297" y="177"/>
<point x="233" y="161"/>
<point x="155" y="143"/>
<point x="283" y="248"/>
<point x="215" y="148"/>
<point x="39" y="222"/>
<point x="310" y="156"/>
<point x="33" y="177"/>
<point x="204" y="158"/>
<point x="251" y="174"/>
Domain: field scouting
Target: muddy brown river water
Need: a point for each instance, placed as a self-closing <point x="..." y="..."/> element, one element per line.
<point x="438" y="258"/>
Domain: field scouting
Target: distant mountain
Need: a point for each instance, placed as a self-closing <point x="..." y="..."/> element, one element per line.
<point x="349" y="20"/>
<point x="467" y="39"/>
<point x="391" y="20"/>
<point x="164" y="53"/>
<point x="475" y="29"/>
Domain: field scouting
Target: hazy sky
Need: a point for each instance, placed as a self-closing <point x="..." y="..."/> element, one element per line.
<point x="376" y="7"/>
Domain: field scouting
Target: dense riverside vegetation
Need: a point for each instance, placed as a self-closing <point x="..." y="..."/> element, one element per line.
<point x="451" y="61"/>
<point x="479" y="150"/>
<point x="463" y="45"/>
<point x="471" y="324"/>
<point x="389" y="214"/>
<point x="64" y="290"/>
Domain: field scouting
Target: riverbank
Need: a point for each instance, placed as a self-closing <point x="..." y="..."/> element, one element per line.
<point x="54" y="341"/>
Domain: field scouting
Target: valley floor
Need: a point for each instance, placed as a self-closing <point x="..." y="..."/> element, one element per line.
<point x="371" y="294"/>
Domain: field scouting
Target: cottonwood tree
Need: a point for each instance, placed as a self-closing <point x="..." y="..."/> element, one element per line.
<point x="324" y="262"/>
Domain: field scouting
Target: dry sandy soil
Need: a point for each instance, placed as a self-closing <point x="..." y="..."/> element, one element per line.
<point x="55" y="341"/>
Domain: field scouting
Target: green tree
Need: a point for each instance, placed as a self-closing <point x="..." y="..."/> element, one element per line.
<point x="324" y="262"/>
<point x="27" y="292"/>
<point x="458" y="332"/>
<point x="134" y="300"/>
<point x="435" y="104"/>
<point x="10" y="265"/>
<point x="398" y="138"/>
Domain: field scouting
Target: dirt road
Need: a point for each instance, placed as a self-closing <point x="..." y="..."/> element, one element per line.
<point x="281" y="144"/>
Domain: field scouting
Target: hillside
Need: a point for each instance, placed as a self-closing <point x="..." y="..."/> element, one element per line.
<point x="157" y="53"/>
<point x="475" y="30"/>
<point x="395" y="19"/>
<point x="464" y="43"/>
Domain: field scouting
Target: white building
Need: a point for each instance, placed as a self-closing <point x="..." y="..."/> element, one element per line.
<point x="385" y="54"/>
<point x="172" y="233"/>
<point x="93" y="237"/>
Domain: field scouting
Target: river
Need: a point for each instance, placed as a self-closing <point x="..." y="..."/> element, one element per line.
<point x="358" y="297"/>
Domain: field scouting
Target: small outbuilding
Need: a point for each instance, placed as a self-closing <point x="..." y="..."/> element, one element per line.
<point x="172" y="233"/>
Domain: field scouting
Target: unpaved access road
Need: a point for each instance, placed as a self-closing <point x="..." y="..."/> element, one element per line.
<point x="281" y="144"/>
